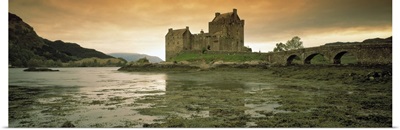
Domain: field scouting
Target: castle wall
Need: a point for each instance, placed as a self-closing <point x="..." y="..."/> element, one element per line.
<point x="214" y="43"/>
<point x="186" y="41"/>
<point x="199" y="41"/>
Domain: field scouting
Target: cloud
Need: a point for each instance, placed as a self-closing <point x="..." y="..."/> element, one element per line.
<point x="137" y="25"/>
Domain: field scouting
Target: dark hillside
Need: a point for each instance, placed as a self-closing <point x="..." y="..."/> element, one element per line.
<point x="73" y="49"/>
<point x="26" y="48"/>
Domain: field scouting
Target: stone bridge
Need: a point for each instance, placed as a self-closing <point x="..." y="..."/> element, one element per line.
<point x="365" y="53"/>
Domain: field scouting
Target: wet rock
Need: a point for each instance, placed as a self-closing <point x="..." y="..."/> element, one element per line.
<point x="352" y="74"/>
<point x="204" y="66"/>
<point x="146" y="125"/>
<point x="217" y="63"/>
<point x="386" y="74"/>
<point x="373" y="74"/>
<point x="371" y="78"/>
<point x="68" y="124"/>
<point x="166" y="63"/>
<point x="184" y="63"/>
<point x="253" y="62"/>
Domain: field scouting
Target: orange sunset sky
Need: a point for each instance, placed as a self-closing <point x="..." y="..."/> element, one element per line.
<point x="139" y="26"/>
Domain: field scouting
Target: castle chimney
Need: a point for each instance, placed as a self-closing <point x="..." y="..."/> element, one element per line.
<point x="170" y="29"/>
<point x="217" y="14"/>
<point x="187" y="27"/>
<point x="234" y="11"/>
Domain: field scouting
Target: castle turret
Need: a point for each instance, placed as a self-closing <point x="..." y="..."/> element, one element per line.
<point x="217" y="14"/>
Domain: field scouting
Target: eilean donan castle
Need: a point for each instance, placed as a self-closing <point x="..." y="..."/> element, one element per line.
<point x="226" y="33"/>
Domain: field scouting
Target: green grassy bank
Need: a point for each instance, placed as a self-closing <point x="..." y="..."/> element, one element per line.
<point x="209" y="57"/>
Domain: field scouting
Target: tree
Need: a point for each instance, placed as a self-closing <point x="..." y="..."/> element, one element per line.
<point x="49" y="63"/>
<point x="143" y="60"/>
<point x="292" y="44"/>
<point x="280" y="47"/>
<point x="17" y="63"/>
<point x="108" y="62"/>
<point x="34" y="63"/>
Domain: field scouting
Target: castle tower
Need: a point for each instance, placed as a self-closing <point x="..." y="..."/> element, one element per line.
<point x="229" y="31"/>
<point x="176" y="41"/>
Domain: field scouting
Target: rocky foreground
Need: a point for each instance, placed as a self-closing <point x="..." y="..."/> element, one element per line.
<point x="354" y="72"/>
<point x="322" y="96"/>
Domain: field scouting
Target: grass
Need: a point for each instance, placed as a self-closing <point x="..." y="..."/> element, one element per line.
<point x="193" y="57"/>
<point x="348" y="58"/>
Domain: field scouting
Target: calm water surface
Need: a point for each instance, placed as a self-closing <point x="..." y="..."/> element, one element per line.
<point x="105" y="97"/>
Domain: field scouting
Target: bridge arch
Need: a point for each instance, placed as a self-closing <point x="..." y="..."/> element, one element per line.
<point x="338" y="57"/>
<point x="290" y="59"/>
<point x="308" y="59"/>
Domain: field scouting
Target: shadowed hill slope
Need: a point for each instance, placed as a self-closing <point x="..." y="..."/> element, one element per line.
<point x="26" y="48"/>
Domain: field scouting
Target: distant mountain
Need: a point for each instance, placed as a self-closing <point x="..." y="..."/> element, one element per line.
<point x="26" y="48"/>
<point x="374" y="40"/>
<point x="135" y="56"/>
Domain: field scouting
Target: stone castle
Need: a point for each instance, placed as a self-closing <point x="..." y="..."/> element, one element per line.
<point x="226" y="33"/>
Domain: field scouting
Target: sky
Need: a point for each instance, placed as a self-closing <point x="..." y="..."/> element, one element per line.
<point x="140" y="26"/>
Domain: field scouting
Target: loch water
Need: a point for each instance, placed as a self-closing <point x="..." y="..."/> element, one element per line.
<point x="105" y="97"/>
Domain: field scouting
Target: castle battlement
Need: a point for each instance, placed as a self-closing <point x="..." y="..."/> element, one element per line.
<point x="226" y="33"/>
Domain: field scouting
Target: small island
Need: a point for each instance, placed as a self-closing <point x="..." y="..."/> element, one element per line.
<point x="33" y="69"/>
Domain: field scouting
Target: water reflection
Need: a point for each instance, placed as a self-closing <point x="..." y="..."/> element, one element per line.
<point x="104" y="97"/>
<point x="205" y="99"/>
<point x="89" y="97"/>
<point x="210" y="95"/>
